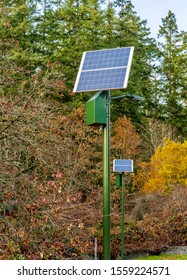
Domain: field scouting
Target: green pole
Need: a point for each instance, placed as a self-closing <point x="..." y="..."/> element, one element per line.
<point x="122" y="215"/>
<point x="106" y="181"/>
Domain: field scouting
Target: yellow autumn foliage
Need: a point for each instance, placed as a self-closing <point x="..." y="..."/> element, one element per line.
<point x="167" y="169"/>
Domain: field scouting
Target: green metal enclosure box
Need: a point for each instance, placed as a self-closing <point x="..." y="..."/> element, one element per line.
<point x="96" y="109"/>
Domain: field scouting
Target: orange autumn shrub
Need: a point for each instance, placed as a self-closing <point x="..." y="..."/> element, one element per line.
<point x="125" y="140"/>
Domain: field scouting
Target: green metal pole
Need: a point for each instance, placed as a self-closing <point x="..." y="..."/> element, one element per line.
<point x="122" y="215"/>
<point x="106" y="181"/>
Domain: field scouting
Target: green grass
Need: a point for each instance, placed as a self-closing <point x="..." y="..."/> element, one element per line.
<point x="165" y="257"/>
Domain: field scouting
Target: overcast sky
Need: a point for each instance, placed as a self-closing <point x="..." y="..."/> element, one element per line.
<point x="154" y="10"/>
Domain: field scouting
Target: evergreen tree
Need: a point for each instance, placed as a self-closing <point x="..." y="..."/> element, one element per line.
<point x="109" y="28"/>
<point x="172" y="71"/>
<point x="15" y="49"/>
<point x="132" y="31"/>
<point x="45" y="34"/>
<point x="26" y="57"/>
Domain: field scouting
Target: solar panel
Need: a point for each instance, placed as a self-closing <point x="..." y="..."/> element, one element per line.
<point x="104" y="69"/>
<point x="123" y="165"/>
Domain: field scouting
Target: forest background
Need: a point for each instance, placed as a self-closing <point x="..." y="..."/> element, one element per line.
<point x="51" y="162"/>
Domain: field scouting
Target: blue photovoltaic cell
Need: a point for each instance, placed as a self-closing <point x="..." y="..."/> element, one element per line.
<point x="104" y="69"/>
<point x="105" y="79"/>
<point x="122" y="165"/>
<point x="106" y="59"/>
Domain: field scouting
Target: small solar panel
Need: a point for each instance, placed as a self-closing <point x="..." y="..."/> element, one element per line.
<point x="104" y="69"/>
<point x="123" y="165"/>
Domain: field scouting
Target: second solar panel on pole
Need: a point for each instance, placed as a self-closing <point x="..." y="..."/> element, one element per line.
<point x="122" y="165"/>
<point x="104" y="69"/>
